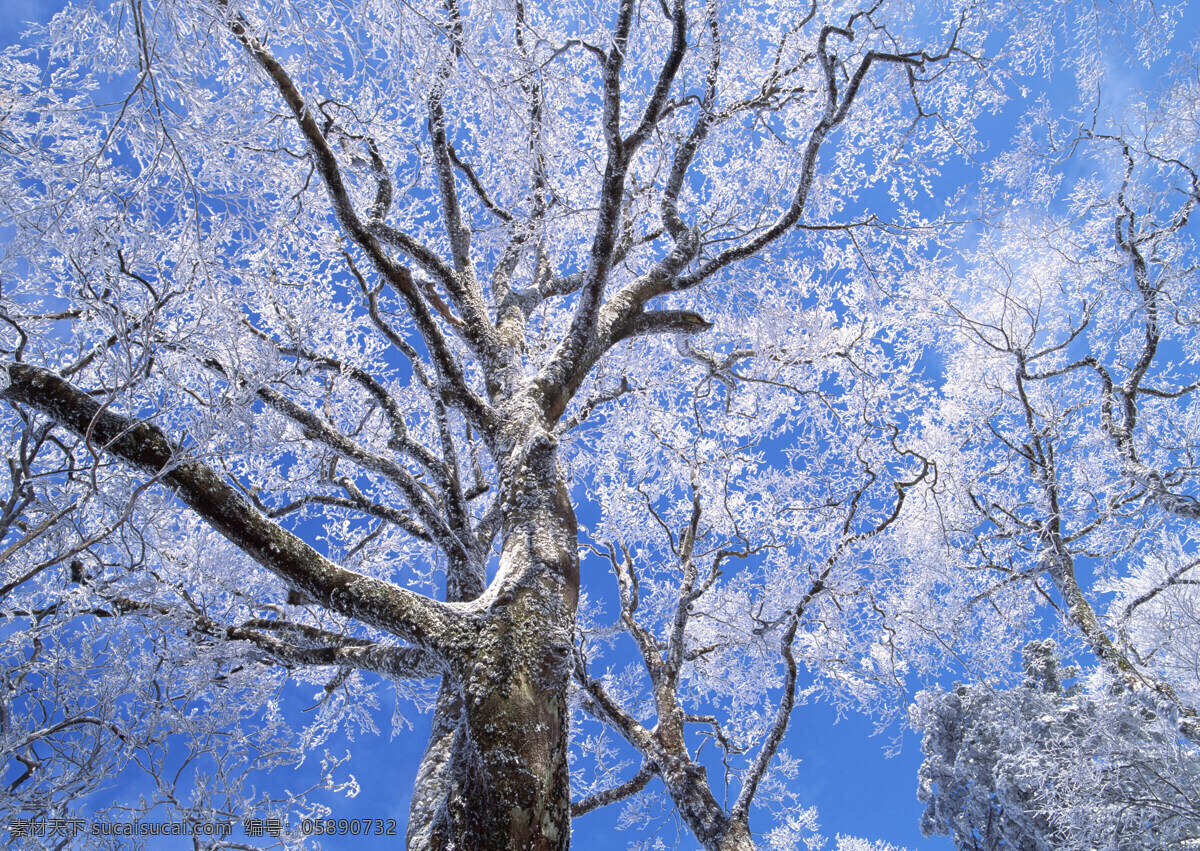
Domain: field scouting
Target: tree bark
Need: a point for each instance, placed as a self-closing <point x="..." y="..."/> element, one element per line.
<point x="687" y="784"/>
<point x="495" y="772"/>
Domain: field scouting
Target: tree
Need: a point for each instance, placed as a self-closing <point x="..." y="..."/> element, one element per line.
<point x="382" y="296"/>
<point x="1068" y="453"/>
<point x="1047" y="765"/>
<point x="1084" y="331"/>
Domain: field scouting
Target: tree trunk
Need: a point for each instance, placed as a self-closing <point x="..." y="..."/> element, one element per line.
<point x="495" y="774"/>
<point x="715" y="829"/>
<point x="687" y="784"/>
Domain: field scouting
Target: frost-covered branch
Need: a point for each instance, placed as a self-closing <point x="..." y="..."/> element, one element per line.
<point x="143" y="445"/>
<point x="399" y="277"/>
<point x="620" y="792"/>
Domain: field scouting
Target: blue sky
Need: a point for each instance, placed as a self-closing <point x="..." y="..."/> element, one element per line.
<point x="845" y="773"/>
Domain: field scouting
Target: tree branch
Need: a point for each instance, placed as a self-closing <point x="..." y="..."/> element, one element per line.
<point x="620" y="792"/>
<point x="143" y="445"/>
<point x="399" y="277"/>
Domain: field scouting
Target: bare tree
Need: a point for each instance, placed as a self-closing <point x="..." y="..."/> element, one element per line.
<point x="1092" y="347"/>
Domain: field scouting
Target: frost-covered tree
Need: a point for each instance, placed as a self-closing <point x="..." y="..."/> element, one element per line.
<point x="1066" y="439"/>
<point x="326" y="323"/>
<point x="1051" y="765"/>
<point x="1073" y="383"/>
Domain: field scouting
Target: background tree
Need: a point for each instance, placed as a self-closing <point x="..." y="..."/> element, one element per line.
<point x="759" y="565"/>
<point x="384" y="295"/>
<point x="1048" y="765"/>
<point x="1069" y="423"/>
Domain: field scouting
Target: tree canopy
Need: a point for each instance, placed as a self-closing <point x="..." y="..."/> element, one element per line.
<point x="608" y="380"/>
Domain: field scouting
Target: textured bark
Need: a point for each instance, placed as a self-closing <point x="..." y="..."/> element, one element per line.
<point x="495" y="772"/>
<point x="716" y="830"/>
<point x="494" y="775"/>
<point x="429" y="812"/>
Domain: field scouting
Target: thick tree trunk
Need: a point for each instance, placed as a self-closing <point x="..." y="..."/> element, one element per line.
<point x="495" y="774"/>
